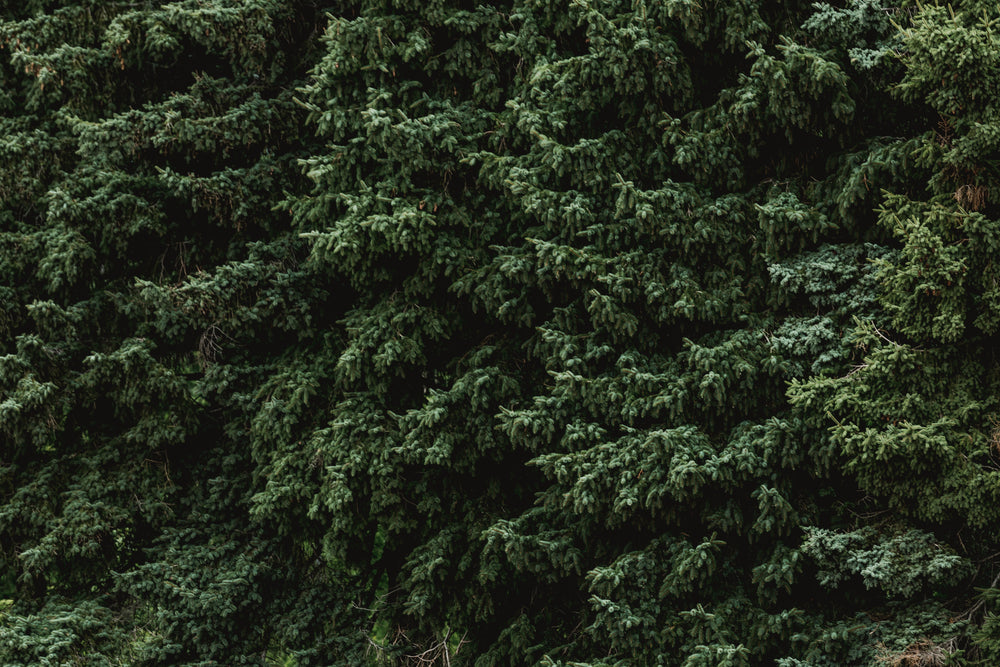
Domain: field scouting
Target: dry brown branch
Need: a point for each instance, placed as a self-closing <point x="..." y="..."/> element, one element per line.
<point x="972" y="197"/>
<point x="923" y="653"/>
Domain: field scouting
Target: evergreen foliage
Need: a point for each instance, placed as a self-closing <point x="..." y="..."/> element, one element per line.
<point x="532" y="332"/>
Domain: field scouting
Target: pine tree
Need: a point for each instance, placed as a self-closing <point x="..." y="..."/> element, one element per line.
<point x="591" y="332"/>
<point x="144" y="145"/>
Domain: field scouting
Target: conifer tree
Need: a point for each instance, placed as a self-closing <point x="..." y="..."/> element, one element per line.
<point x="590" y="332"/>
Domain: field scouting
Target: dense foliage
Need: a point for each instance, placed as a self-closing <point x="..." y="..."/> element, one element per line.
<point x="529" y="332"/>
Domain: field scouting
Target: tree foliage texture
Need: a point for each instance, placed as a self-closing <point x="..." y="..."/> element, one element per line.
<point x="527" y="332"/>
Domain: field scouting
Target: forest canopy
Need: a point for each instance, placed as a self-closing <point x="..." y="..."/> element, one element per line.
<point x="528" y="332"/>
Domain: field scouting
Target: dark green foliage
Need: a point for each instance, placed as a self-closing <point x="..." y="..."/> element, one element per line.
<point x="557" y="333"/>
